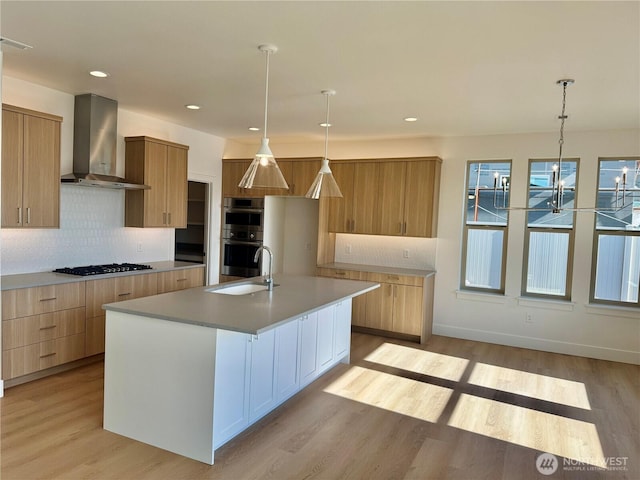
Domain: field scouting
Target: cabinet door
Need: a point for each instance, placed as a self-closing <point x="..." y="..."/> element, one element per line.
<point x="340" y="209"/>
<point x="98" y="293"/>
<point x="390" y="198"/>
<point x="12" y="154"/>
<point x="365" y="193"/>
<point x="176" y="187"/>
<point x="342" y="337"/>
<point x="231" y="390"/>
<point x="407" y="309"/>
<point x="232" y="173"/>
<point x="359" y="313"/>
<point x="304" y="173"/>
<point x="41" y="170"/>
<point x="155" y="213"/>
<point x="421" y="198"/>
<point x="379" y="307"/>
<point x="326" y="326"/>
<point x="262" y="389"/>
<point x="287" y="367"/>
<point x="308" y="348"/>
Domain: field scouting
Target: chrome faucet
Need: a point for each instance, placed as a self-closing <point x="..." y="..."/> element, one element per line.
<point x="269" y="280"/>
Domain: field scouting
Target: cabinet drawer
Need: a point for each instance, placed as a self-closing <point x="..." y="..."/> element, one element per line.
<point x="394" y="279"/>
<point x="116" y="289"/>
<point x="180" y="279"/>
<point x="31" y="358"/>
<point x="24" y="331"/>
<point x="339" y="273"/>
<point x="24" y="302"/>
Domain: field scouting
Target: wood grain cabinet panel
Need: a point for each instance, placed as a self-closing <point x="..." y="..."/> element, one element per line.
<point x="162" y="166"/>
<point x="30" y="168"/>
<point x="386" y="197"/>
<point x="23" y="302"/>
<point x="403" y="304"/>
<point x="232" y="172"/>
<point x="180" y="279"/>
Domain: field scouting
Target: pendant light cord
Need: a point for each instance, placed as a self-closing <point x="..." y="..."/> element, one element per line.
<point x="562" y="117"/>
<point x="326" y="130"/>
<point x="266" y="96"/>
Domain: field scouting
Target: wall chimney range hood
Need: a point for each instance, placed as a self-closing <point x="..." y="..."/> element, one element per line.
<point x="94" y="144"/>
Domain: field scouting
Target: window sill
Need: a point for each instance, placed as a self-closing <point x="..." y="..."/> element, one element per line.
<point x="563" y="305"/>
<point x="612" y="310"/>
<point x="480" y="296"/>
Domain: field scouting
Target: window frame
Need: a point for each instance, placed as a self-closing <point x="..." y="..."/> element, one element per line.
<point x="597" y="233"/>
<point x="546" y="229"/>
<point x="465" y="236"/>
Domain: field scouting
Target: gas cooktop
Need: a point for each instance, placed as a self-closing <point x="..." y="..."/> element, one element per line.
<point x="102" y="269"/>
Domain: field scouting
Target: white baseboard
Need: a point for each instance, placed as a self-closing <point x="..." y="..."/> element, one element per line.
<point x="543" y="344"/>
<point x="1" y="388"/>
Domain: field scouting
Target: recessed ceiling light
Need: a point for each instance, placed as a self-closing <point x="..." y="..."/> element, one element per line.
<point x="98" y="73"/>
<point x="325" y="125"/>
<point x="254" y="129"/>
<point x="193" y="107"/>
<point x="411" y="119"/>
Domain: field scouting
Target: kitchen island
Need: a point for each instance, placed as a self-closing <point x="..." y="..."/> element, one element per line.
<point x="187" y="371"/>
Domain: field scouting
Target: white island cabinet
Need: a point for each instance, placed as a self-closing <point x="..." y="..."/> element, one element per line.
<point x="187" y="385"/>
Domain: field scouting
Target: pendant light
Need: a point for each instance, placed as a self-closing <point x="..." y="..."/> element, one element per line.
<point x="264" y="171"/>
<point x="324" y="184"/>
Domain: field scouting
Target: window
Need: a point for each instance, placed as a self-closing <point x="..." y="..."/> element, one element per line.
<point x="485" y="229"/>
<point x="616" y="269"/>
<point x="548" y="255"/>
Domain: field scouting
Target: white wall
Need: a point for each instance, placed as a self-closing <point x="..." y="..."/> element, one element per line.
<point x="574" y="328"/>
<point x="92" y="220"/>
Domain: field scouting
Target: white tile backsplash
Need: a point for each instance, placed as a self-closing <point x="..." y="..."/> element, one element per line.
<point x="386" y="251"/>
<point x="91" y="232"/>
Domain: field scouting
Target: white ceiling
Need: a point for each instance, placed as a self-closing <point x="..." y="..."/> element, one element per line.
<point x="463" y="68"/>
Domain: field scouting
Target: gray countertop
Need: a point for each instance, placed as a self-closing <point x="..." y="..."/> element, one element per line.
<point x="38" y="279"/>
<point x="253" y="313"/>
<point x="356" y="267"/>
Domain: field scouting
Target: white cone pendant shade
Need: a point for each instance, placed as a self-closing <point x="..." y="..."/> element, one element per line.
<point x="324" y="184"/>
<point x="264" y="171"/>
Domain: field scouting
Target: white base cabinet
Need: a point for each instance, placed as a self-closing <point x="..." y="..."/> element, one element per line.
<point x="256" y="373"/>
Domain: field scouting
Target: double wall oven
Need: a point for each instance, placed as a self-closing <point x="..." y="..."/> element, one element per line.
<point x="242" y="230"/>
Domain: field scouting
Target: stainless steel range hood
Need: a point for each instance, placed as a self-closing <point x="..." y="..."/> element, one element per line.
<point x="94" y="144"/>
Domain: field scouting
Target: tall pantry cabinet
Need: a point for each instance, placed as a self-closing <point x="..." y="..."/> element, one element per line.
<point x="30" y="168"/>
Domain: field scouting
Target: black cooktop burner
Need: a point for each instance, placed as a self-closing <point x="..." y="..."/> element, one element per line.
<point x="102" y="269"/>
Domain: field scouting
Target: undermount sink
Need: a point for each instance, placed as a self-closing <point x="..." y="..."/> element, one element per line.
<point x="241" y="289"/>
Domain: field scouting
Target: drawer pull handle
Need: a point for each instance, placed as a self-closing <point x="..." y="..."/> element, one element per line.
<point x="393" y="277"/>
<point x="19" y="215"/>
<point x="181" y="280"/>
<point x="341" y="273"/>
<point x="124" y="294"/>
<point x="48" y="328"/>
<point x="48" y="355"/>
<point x="48" y="299"/>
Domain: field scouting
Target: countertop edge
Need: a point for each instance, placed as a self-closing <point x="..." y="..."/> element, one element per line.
<point x="41" y="279"/>
<point x="357" y="267"/>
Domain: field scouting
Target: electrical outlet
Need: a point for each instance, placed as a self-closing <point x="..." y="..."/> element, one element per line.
<point x="139" y="247"/>
<point x="347" y="250"/>
<point x="528" y="318"/>
<point x="405" y="253"/>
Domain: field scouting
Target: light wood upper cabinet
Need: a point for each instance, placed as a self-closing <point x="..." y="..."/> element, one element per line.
<point x="232" y="172"/>
<point x="30" y="168"/>
<point x="299" y="174"/>
<point x="422" y="190"/>
<point x="163" y="166"/>
<point x="386" y="197"/>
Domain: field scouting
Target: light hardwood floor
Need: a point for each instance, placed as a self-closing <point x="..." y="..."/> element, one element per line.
<point x="451" y="409"/>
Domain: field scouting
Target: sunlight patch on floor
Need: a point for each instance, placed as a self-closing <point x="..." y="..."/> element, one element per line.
<point x="390" y="392"/>
<point x="542" y="387"/>
<point x="419" y="361"/>
<point x="545" y="432"/>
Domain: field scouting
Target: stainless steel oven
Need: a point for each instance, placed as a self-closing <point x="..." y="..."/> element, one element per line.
<point x="243" y="221"/>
